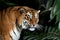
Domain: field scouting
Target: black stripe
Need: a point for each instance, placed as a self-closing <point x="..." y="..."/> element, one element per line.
<point x="10" y="8"/>
<point x="14" y="33"/>
<point x="10" y="36"/>
<point x="17" y="26"/>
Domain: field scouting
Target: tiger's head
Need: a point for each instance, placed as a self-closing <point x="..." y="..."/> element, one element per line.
<point x="29" y="18"/>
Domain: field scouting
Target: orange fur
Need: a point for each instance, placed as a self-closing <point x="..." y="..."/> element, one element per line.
<point x="8" y="18"/>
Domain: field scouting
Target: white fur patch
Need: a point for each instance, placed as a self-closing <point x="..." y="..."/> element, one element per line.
<point x="31" y="29"/>
<point x="15" y="34"/>
<point x="38" y="11"/>
<point x="24" y="24"/>
<point x="36" y="15"/>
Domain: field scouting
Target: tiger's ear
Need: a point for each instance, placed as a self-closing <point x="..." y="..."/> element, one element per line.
<point x="38" y="11"/>
<point x="22" y="10"/>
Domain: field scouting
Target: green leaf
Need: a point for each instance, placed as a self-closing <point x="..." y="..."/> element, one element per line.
<point x="53" y="11"/>
<point x="59" y="26"/>
<point x="7" y="2"/>
<point x="56" y="10"/>
<point x="10" y="4"/>
<point x="49" y="3"/>
<point x="58" y="16"/>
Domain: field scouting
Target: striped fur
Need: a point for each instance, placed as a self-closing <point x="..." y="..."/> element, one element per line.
<point x="12" y="21"/>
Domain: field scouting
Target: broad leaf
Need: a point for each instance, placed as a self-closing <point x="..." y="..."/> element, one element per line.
<point x="56" y="10"/>
<point x="49" y="4"/>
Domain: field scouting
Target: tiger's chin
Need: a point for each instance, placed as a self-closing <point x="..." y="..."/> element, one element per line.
<point x="31" y="29"/>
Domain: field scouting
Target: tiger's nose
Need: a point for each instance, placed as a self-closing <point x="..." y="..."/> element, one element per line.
<point x="33" y="25"/>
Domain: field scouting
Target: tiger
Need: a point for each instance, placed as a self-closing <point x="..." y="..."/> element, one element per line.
<point x="14" y="19"/>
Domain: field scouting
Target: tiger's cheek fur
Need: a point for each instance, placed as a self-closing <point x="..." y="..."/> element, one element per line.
<point x="19" y="20"/>
<point x="33" y="20"/>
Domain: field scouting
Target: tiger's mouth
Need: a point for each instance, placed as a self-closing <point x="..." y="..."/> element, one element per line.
<point x="26" y="25"/>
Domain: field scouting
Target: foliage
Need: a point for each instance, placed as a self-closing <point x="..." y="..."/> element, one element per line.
<point x="48" y="34"/>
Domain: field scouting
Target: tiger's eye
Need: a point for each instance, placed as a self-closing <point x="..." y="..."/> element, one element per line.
<point x="28" y="16"/>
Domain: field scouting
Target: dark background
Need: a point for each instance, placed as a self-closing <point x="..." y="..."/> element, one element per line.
<point x="31" y="3"/>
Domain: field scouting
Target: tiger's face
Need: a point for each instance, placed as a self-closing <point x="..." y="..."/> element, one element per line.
<point x="30" y="18"/>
